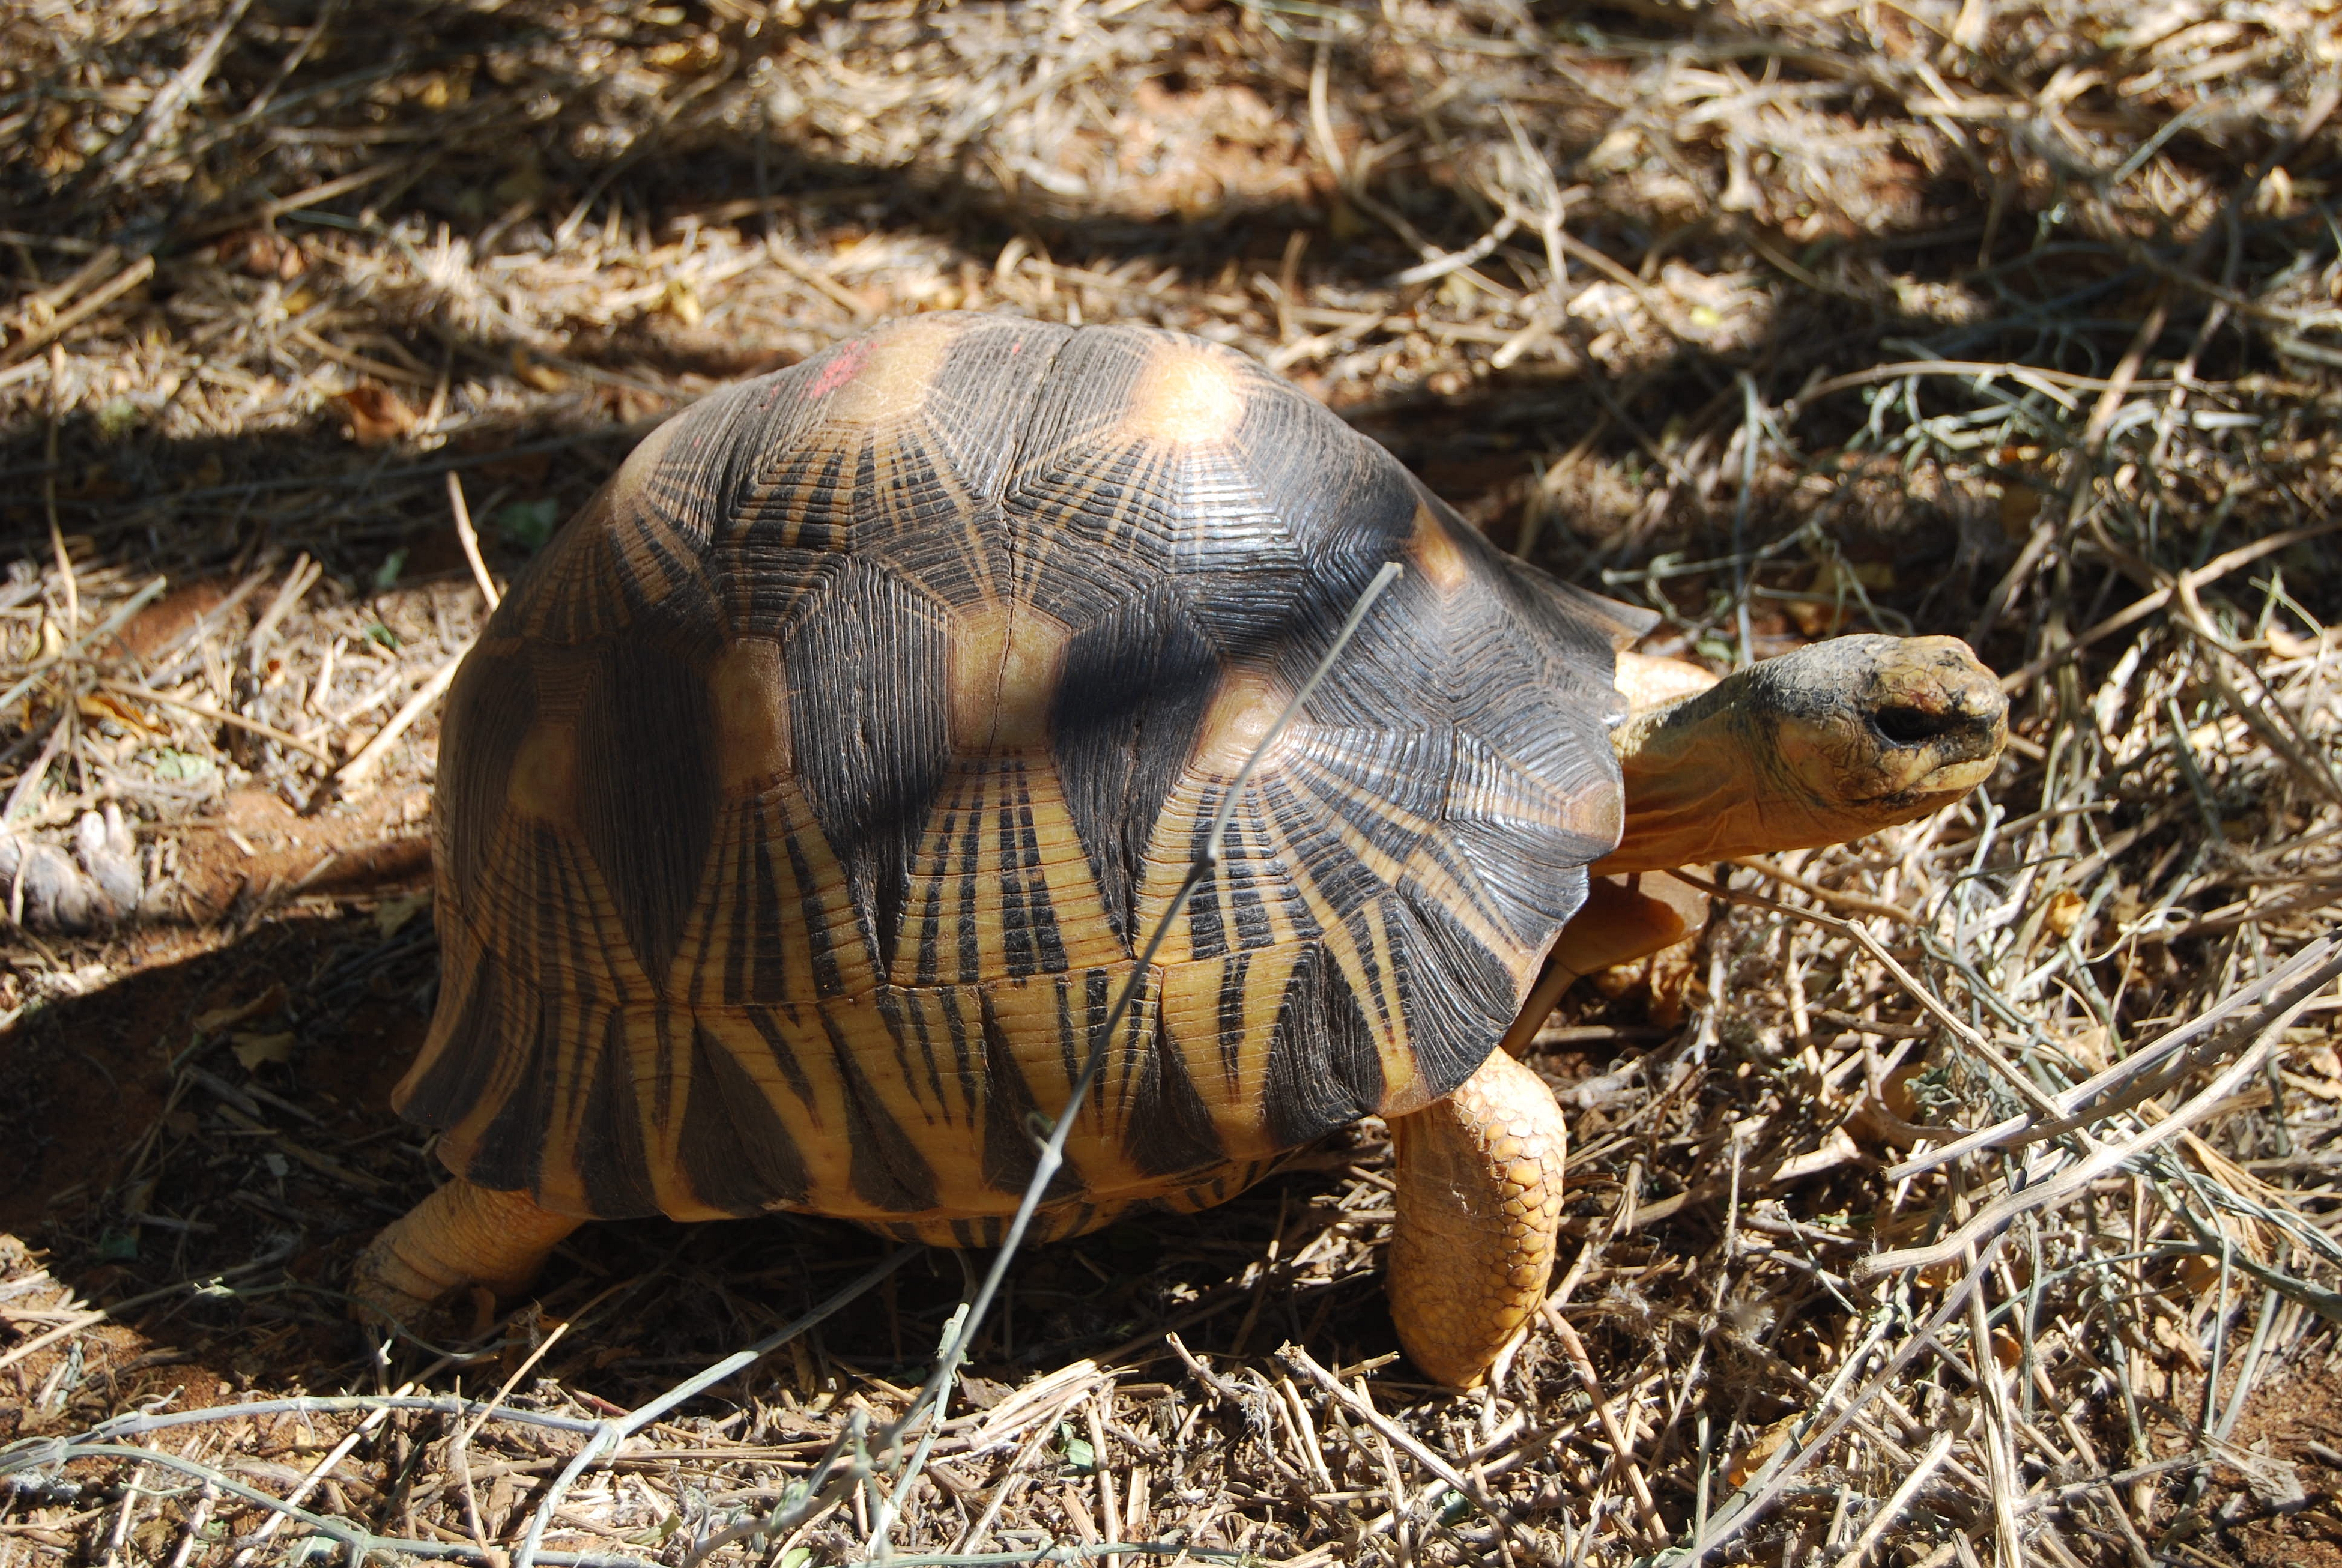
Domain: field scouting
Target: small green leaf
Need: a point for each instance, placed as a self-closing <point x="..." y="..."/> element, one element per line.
<point x="180" y="766"/>
<point x="119" y="1246"/>
<point x="527" y="525"/>
<point x="386" y="575"/>
<point x="381" y="633"/>
<point x="1079" y="1454"/>
<point x="116" y="419"/>
<point x="796" y="1557"/>
<point x="1452" y="1506"/>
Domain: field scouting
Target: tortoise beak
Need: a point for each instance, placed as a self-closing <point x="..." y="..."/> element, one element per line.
<point x="1939" y="716"/>
<point x="1888" y="726"/>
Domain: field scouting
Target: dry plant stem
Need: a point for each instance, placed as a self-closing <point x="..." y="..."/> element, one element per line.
<point x="220" y="716"/>
<point x="354" y="773"/>
<point x="122" y="283"/>
<point x="608" y="1434"/>
<point x="1898" y="1500"/>
<point x="1655" y="1532"/>
<point x="2147" y="604"/>
<point x="317" y="1474"/>
<point x="1764" y="1488"/>
<point x="1356" y="1402"/>
<point x="82" y="645"/>
<point x="470" y="540"/>
<point x="358" y="1542"/>
<point x="2051" y="1187"/>
<point x="2007" y="1070"/>
<point x="119" y="160"/>
<point x="2287" y="989"/>
<point x="1853" y="902"/>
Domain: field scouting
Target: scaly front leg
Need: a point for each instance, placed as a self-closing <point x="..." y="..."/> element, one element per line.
<point x="459" y="1235"/>
<point x="1479" y="1208"/>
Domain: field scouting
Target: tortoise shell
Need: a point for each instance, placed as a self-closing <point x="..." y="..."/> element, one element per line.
<point x="802" y="809"/>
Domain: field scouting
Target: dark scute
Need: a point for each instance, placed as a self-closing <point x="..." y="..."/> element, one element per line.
<point x="1323" y="1069"/>
<point x="508" y="1155"/>
<point x="489" y="711"/>
<point x="1457" y="996"/>
<point x="1010" y="1113"/>
<point x="736" y="1152"/>
<point x="886" y="1171"/>
<point x="646" y="786"/>
<point x="869" y="717"/>
<point x="459" y="1075"/>
<point x="1170" y="1126"/>
<point x="1136" y="686"/>
<point x="611" y="1161"/>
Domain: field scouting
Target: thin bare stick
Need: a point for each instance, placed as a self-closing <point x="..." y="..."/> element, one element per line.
<point x="354" y="770"/>
<point x="82" y="643"/>
<point x="609" y="1433"/>
<point x="1358" y="1405"/>
<point x="1898" y="1500"/>
<point x="470" y="541"/>
<point x="1655" y="1532"/>
<point x="220" y="716"/>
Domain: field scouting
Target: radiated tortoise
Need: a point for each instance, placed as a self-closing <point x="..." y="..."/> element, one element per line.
<point x="809" y="798"/>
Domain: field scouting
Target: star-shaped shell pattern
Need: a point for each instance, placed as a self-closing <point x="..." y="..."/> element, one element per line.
<point x="806" y="802"/>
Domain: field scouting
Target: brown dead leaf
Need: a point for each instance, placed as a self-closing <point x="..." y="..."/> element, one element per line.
<point x="542" y="378"/>
<point x="2018" y="505"/>
<point x="1762" y="1447"/>
<point x="104" y="705"/>
<point x="392" y="913"/>
<point x="252" y="1050"/>
<point x="2064" y="914"/>
<point x="374" y="415"/>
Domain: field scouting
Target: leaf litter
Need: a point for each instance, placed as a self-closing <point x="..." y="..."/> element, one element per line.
<point x="1963" y="1195"/>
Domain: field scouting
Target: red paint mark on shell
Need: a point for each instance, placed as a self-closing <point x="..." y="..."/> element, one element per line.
<point x="840" y="371"/>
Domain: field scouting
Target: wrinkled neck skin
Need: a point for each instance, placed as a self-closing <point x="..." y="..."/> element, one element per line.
<point x="1703" y="784"/>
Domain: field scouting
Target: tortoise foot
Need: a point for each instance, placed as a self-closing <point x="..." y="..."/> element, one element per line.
<point x="460" y="1235"/>
<point x="1480" y="1209"/>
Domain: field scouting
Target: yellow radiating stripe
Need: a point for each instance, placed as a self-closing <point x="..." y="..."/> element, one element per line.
<point x="1378" y="994"/>
<point x="1192" y="1012"/>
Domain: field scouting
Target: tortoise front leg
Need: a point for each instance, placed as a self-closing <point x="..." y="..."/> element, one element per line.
<point x="459" y="1235"/>
<point x="1480" y="1207"/>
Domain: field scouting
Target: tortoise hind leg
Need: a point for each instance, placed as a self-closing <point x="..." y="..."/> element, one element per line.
<point x="1479" y="1211"/>
<point x="460" y="1235"/>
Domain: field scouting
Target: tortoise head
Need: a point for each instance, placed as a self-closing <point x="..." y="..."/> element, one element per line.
<point x="1834" y="740"/>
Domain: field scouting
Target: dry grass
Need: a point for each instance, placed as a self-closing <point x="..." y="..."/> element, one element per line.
<point x="1968" y="1194"/>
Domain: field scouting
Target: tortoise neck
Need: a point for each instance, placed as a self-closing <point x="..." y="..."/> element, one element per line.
<point x="1702" y="783"/>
